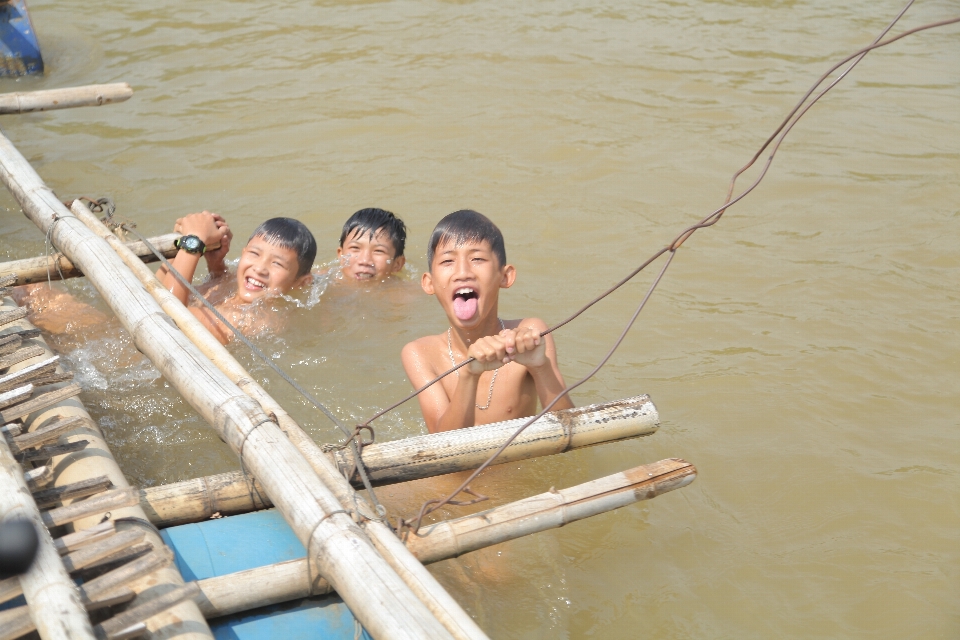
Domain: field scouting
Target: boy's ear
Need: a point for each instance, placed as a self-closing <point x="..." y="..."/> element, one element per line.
<point x="303" y="281"/>
<point x="426" y="282"/>
<point x="508" y="277"/>
<point x="339" y="252"/>
<point x="398" y="263"/>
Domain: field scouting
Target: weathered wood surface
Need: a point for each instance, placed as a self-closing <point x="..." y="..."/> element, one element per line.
<point x="336" y="546"/>
<point x="290" y="580"/>
<point x="92" y="95"/>
<point x="426" y="600"/>
<point x="72" y="491"/>
<point x="78" y="539"/>
<point x="54" y="607"/>
<point x="12" y="315"/>
<point x="39" y="402"/>
<point x="50" y="451"/>
<point x="414" y="458"/>
<point x="49" y="432"/>
<point x="113" y="627"/>
<point x="21" y="377"/>
<point x="57" y="267"/>
<point x="91" y="553"/>
<point x="108" y="501"/>
<point x="20" y="355"/>
<point x="15" y="396"/>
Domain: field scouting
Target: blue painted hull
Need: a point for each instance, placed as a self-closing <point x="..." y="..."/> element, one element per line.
<point x="227" y="545"/>
<point x="19" y="48"/>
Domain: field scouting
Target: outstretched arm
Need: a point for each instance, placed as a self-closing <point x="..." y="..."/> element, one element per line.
<point x="54" y="310"/>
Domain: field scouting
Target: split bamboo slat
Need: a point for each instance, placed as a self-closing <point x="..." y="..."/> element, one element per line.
<point x="92" y="95"/>
<point x="336" y="546"/>
<point x="79" y="539"/>
<point x="21" y="377"/>
<point x="57" y="267"/>
<point x="83" y="454"/>
<point x="428" y="592"/>
<point x="416" y="457"/>
<point x="53" y="602"/>
<point x="290" y="580"/>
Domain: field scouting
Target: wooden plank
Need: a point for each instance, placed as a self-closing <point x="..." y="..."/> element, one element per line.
<point x="23" y="333"/>
<point x="124" y="556"/>
<point x="72" y="491"/>
<point x="51" y="378"/>
<point x="48" y="433"/>
<point x="156" y="559"/>
<point x="78" y="539"/>
<point x="42" y="268"/>
<point x="91" y="506"/>
<point x="6" y="317"/>
<point x="39" y="403"/>
<point x="50" y="451"/>
<point x="91" y="95"/>
<point x="114" y="627"/>
<point x="11" y="430"/>
<point x="38" y="478"/>
<point x="25" y="375"/>
<point x="9" y="344"/>
<point x="15" y="396"/>
<point x="96" y="551"/>
<point x="7" y="281"/>
<point x="24" y="353"/>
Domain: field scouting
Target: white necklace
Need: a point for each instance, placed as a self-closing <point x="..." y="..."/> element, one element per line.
<point x="453" y="363"/>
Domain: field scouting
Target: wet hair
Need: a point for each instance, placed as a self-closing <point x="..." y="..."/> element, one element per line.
<point x="371" y="221"/>
<point x="288" y="233"/>
<point x="466" y="226"/>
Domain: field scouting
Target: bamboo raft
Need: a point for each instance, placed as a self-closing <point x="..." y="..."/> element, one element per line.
<point x="57" y="471"/>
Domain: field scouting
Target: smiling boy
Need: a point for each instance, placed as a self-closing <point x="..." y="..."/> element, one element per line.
<point x="277" y="258"/>
<point x="514" y="366"/>
<point x="371" y="246"/>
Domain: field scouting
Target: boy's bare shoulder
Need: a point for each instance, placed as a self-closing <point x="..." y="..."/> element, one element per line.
<point x="423" y="351"/>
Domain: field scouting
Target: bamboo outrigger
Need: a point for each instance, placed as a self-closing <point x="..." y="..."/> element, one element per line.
<point x="381" y="578"/>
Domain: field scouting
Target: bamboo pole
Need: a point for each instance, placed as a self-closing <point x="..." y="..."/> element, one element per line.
<point x="54" y="603"/>
<point x="92" y="95"/>
<point x="414" y="458"/>
<point x="427" y="590"/>
<point x="336" y="546"/>
<point x="32" y="270"/>
<point x="285" y="581"/>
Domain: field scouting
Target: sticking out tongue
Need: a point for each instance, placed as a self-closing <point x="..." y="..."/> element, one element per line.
<point x="465" y="308"/>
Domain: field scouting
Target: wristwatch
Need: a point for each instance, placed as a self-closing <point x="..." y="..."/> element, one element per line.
<point x="190" y="244"/>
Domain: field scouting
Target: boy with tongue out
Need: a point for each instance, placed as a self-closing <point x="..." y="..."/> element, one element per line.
<point x="514" y="366"/>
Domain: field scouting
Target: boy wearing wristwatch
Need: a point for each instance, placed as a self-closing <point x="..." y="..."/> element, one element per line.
<point x="277" y="258"/>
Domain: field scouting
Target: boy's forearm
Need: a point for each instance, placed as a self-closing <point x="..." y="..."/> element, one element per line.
<point x="186" y="264"/>
<point x="460" y="412"/>
<point x="549" y="386"/>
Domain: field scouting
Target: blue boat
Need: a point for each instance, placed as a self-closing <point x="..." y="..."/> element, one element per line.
<point x="19" y="48"/>
<point x="227" y="545"/>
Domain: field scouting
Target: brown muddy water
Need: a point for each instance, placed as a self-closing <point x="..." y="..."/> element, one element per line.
<point x="803" y="353"/>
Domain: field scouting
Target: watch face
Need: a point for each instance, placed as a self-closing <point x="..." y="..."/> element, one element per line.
<point x="191" y="244"/>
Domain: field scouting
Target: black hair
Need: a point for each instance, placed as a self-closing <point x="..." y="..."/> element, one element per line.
<point x="371" y="221"/>
<point x="288" y="233"/>
<point x="467" y="226"/>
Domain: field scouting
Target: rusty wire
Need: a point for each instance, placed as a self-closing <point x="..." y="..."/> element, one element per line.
<point x="776" y="139"/>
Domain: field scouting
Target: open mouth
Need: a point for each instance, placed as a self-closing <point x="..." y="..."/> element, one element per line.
<point x="255" y="285"/>
<point x="465" y="303"/>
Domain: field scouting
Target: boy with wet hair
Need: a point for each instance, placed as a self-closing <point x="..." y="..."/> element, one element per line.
<point x="277" y="258"/>
<point x="371" y="246"/>
<point x="514" y="364"/>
